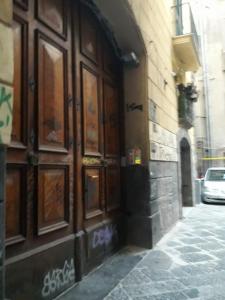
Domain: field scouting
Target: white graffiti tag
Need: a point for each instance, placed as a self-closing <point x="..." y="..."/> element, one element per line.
<point x="56" y="279"/>
<point x="104" y="236"/>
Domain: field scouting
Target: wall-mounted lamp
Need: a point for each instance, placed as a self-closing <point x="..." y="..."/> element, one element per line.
<point x="130" y="59"/>
<point x="133" y="106"/>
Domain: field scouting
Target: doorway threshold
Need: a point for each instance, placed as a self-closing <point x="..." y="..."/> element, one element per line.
<point x="100" y="282"/>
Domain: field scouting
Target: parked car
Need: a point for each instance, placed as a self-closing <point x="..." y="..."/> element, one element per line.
<point x="213" y="187"/>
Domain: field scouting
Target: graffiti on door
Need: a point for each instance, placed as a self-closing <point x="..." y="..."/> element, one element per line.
<point x="57" y="279"/>
<point x="5" y="115"/>
<point x="104" y="236"/>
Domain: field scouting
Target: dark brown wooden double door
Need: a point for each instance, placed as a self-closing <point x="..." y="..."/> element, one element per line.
<point x="99" y="158"/>
<point x="64" y="160"/>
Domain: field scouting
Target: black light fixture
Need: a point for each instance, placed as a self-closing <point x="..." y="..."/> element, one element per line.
<point x="130" y="59"/>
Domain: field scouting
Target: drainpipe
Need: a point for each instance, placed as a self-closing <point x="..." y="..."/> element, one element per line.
<point x="205" y="79"/>
<point x="2" y="219"/>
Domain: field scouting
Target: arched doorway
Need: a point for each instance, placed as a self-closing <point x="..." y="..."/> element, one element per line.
<point x="186" y="179"/>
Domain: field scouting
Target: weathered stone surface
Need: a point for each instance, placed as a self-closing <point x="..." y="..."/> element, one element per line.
<point x="154" y="189"/>
<point x="137" y="190"/>
<point x="196" y="257"/>
<point x="164" y="192"/>
<point x="144" y="231"/>
<point x="1" y="233"/>
<point x="6" y="8"/>
<point x="135" y="277"/>
<point x="158" y="275"/>
<point x="118" y="293"/>
<point x="192" y="293"/>
<point x="192" y="240"/>
<point x="99" y="283"/>
<point x="1" y="282"/>
<point x="156" y="260"/>
<point x="6" y="54"/>
<point x="188" y="249"/>
<point x="166" y="296"/>
<point x="166" y="273"/>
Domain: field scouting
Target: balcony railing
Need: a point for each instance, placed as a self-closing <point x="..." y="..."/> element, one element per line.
<point x="185" y="23"/>
<point x="186" y="41"/>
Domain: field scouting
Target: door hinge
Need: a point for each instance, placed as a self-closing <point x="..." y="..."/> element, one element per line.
<point x="70" y="142"/>
<point x="70" y="100"/>
<point x="103" y="119"/>
<point x="32" y="84"/>
<point x="104" y="163"/>
<point x="33" y="159"/>
<point x="78" y="106"/>
<point x="32" y="137"/>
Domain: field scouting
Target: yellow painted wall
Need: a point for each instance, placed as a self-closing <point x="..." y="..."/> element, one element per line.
<point x="156" y="23"/>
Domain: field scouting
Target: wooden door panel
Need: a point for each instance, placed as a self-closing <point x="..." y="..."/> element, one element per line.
<point x="52" y="96"/>
<point x="89" y="37"/>
<point x="109" y="62"/>
<point x="91" y="113"/>
<point x="15" y="204"/>
<point x="40" y="157"/>
<point x="100" y="119"/>
<point x="53" y="14"/>
<point x="112" y="187"/>
<point x="111" y="121"/>
<point x="53" y="198"/>
<point x="22" y="3"/>
<point x="93" y="187"/>
<point x="20" y="96"/>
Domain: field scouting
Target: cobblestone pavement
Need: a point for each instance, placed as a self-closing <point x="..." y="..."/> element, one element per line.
<point x="188" y="263"/>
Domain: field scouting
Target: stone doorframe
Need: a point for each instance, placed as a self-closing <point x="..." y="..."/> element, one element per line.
<point x="120" y="19"/>
<point x="183" y="135"/>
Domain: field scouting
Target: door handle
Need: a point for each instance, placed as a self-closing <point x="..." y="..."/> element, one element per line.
<point x="104" y="162"/>
<point x="33" y="159"/>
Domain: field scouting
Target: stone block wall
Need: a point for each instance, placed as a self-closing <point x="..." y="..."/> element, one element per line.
<point x="155" y="20"/>
<point x="164" y="193"/>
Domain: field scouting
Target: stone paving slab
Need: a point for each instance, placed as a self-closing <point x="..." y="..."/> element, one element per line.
<point x="193" y="255"/>
<point x="188" y="263"/>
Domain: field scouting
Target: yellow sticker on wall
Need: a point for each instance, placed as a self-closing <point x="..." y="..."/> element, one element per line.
<point x="134" y="156"/>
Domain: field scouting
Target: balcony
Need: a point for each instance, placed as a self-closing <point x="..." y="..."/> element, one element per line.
<point x="186" y="43"/>
<point x="187" y="97"/>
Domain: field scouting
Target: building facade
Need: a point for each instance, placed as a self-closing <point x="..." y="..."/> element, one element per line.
<point x="210" y="108"/>
<point x="96" y="112"/>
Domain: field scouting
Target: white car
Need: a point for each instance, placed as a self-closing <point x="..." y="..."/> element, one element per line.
<point x="213" y="188"/>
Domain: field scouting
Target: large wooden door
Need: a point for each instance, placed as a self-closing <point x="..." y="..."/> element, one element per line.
<point x="98" y="131"/>
<point x="63" y="165"/>
<point x="40" y="159"/>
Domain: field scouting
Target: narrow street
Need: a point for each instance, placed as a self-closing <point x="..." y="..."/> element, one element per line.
<point x="188" y="263"/>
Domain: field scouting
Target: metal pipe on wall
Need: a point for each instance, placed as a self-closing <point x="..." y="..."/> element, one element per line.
<point x="205" y="78"/>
